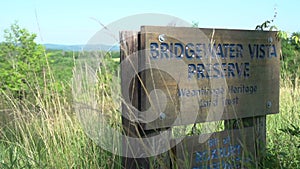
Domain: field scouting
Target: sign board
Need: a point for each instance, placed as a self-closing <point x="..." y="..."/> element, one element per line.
<point x="226" y="149"/>
<point x="207" y="75"/>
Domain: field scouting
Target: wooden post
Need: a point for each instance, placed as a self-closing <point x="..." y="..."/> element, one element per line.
<point x="251" y="97"/>
<point x="129" y="46"/>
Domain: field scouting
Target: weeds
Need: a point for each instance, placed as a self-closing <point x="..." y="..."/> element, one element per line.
<point x="283" y="130"/>
<point x="45" y="133"/>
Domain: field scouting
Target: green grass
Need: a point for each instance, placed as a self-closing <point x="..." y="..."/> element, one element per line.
<point x="47" y="133"/>
<point x="49" y="138"/>
<point x="284" y="146"/>
<point x="116" y="59"/>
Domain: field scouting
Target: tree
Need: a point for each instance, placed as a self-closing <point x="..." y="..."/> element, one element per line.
<point x="22" y="61"/>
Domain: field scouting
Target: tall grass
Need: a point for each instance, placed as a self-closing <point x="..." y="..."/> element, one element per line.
<point x="283" y="134"/>
<point x="44" y="132"/>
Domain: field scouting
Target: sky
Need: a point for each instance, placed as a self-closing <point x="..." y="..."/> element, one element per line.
<point x="75" y="22"/>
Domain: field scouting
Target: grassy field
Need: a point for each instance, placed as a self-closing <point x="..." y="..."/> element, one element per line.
<point x="283" y="132"/>
<point x="47" y="133"/>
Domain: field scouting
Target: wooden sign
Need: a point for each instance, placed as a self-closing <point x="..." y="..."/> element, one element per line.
<point x="207" y="75"/>
<point x="226" y="149"/>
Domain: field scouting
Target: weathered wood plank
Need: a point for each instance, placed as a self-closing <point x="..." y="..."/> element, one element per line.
<point x="226" y="149"/>
<point x="259" y="126"/>
<point x="239" y="79"/>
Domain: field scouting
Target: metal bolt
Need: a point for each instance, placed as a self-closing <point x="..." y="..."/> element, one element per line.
<point x="162" y="116"/>
<point x="269" y="104"/>
<point x="161" y="38"/>
<point x="270" y="39"/>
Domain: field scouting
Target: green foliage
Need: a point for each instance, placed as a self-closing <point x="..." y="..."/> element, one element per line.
<point x="290" y="59"/>
<point x="282" y="35"/>
<point x="295" y="40"/>
<point x="263" y="26"/>
<point x="115" y="55"/>
<point x="292" y="130"/>
<point x="61" y="64"/>
<point x="283" y="150"/>
<point x="50" y="135"/>
<point x="267" y="24"/>
<point x="290" y="45"/>
<point x="21" y="61"/>
<point x="283" y="130"/>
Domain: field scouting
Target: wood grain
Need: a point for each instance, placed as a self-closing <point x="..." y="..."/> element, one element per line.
<point x="263" y="75"/>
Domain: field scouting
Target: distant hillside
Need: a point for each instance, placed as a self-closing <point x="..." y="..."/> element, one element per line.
<point x="81" y="47"/>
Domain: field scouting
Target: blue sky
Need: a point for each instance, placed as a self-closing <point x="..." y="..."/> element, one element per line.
<point x="69" y="22"/>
